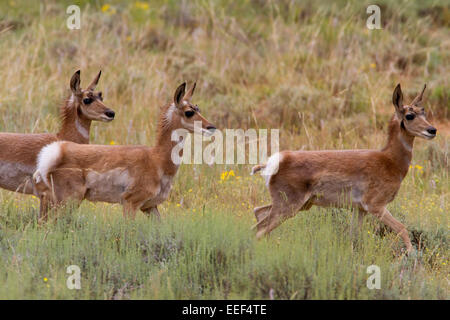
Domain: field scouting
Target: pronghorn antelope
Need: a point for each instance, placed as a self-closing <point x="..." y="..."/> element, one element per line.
<point x="18" y="152"/>
<point x="138" y="177"/>
<point x="367" y="179"/>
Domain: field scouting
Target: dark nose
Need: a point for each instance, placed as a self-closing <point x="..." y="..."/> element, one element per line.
<point x="432" y="130"/>
<point x="212" y="128"/>
<point x="110" y="114"/>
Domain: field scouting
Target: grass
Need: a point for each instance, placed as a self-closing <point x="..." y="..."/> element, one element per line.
<point x="313" y="70"/>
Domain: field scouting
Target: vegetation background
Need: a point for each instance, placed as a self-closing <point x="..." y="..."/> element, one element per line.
<point x="310" y="68"/>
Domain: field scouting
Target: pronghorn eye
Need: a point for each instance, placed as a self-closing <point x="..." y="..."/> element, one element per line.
<point x="88" y="100"/>
<point x="189" y="113"/>
<point x="410" y="116"/>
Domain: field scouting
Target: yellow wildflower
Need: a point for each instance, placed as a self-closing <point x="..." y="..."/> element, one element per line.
<point x="141" y="5"/>
<point x="223" y="176"/>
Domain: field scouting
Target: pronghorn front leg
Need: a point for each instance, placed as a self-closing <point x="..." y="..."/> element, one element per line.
<point x="129" y="210"/>
<point x="152" y="211"/>
<point x="132" y="201"/>
<point x="386" y="217"/>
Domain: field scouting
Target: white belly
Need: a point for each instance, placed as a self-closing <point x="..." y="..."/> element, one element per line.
<point x="16" y="176"/>
<point x="339" y="194"/>
<point x="107" y="186"/>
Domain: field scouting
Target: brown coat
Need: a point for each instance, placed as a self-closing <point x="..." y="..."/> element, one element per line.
<point x="366" y="180"/>
<point x="18" y="152"/>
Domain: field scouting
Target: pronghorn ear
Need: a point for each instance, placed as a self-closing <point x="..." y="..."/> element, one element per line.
<point x="94" y="82"/>
<point x="397" y="100"/>
<point x="75" y="83"/>
<point x="419" y="97"/>
<point x="179" y="94"/>
<point x="189" y="94"/>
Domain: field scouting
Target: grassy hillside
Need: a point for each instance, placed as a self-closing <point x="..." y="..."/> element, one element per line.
<point x="310" y="68"/>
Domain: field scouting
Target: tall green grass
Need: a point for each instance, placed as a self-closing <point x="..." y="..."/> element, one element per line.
<point x="208" y="255"/>
<point x="310" y="68"/>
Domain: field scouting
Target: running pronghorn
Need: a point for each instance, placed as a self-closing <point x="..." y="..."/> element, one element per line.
<point x="138" y="177"/>
<point x="18" y="152"/>
<point x="367" y="179"/>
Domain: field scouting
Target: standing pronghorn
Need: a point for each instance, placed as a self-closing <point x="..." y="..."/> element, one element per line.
<point x="18" y="152"/>
<point x="138" y="177"/>
<point x="367" y="179"/>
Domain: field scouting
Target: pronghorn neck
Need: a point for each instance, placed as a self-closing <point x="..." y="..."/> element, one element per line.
<point x="400" y="145"/>
<point x="75" y="127"/>
<point x="164" y="145"/>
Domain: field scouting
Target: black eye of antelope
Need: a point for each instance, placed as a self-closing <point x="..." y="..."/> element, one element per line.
<point x="88" y="100"/>
<point x="410" y="116"/>
<point x="189" y="113"/>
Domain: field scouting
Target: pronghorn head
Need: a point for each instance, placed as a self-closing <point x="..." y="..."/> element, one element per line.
<point x="90" y="102"/>
<point x="182" y="113"/>
<point x="412" y="116"/>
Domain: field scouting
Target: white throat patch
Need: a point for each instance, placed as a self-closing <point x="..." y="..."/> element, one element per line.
<point x="82" y="130"/>
<point x="405" y="144"/>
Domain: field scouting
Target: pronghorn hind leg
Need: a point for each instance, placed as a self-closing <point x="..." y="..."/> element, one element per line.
<point x="270" y="222"/>
<point x="46" y="201"/>
<point x="283" y="207"/>
<point x="44" y="208"/>
<point x="361" y="214"/>
<point x="261" y="212"/>
<point x="65" y="184"/>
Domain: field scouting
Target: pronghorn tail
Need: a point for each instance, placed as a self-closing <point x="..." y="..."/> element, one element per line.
<point x="49" y="157"/>
<point x="257" y="168"/>
<point x="270" y="168"/>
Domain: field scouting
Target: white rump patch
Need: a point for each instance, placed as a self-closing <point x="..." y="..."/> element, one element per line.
<point x="48" y="157"/>
<point x="271" y="167"/>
